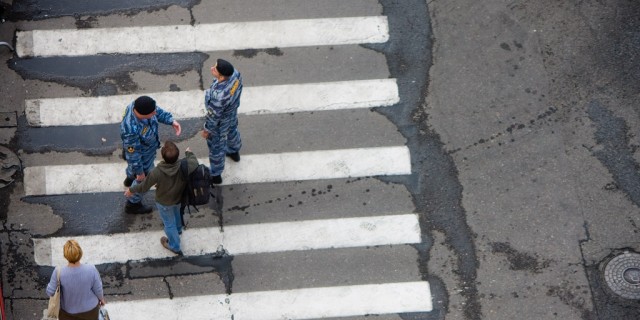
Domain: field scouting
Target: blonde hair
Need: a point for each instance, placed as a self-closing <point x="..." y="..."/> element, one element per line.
<point x="72" y="251"/>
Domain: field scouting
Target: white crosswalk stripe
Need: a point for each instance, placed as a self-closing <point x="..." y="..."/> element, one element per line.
<point x="291" y="166"/>
<point x="241" y="239"/>
<point x="356" y="231"/>
<point x="187" y="38"/>
<point x="190" y="104"/>
<point x="307" y="303"/>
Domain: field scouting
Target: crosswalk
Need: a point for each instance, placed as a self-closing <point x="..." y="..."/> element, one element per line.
<point x="338" y="95"/>
<point x="187" y="38"/>
<point x="309" y="303"/>
<point x="291" y="166"/>
<point x="309" y="232"/>
<point x="243" y="239"/>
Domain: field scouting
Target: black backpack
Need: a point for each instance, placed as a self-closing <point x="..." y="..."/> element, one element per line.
<point x="197" y="190"/>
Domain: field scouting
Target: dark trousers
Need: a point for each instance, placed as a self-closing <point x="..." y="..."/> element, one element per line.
<point x="89" y="315"/>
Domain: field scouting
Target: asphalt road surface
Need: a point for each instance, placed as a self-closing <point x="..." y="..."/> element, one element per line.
<point x="400" y="160"/>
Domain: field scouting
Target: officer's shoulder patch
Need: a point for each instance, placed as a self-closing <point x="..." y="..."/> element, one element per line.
<point x="234" y="87"/>
<point x="131" y="149"/>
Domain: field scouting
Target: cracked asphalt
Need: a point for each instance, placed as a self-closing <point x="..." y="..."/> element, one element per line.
<point x="537" y="103"/>
<point x="522" y="121"/>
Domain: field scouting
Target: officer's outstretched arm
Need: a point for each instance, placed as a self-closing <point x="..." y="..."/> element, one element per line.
<point x="164" y="116"/>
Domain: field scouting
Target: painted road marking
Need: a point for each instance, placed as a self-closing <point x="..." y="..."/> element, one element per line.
<point x="203" y="37"/>
<point x="258" y="168"/>
<point x="307" y="303"/>
<point x="239" y="239"/>
<point x="190" y="104"/>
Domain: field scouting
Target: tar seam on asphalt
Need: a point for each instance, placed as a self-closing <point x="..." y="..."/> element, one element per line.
<point x="408" y="53"/>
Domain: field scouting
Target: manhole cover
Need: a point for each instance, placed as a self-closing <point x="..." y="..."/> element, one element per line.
<point x="10" y="164"/>
<point x="622" y="275"/>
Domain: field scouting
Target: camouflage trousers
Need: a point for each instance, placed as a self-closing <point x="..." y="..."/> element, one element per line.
<point x="223" y="139"/>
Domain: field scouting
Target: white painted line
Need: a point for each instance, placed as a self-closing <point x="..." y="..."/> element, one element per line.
<point x="329" y="302"/>
<point x="318" y="165"/>
<point x="78" y="111"/>
<point x="258" y="168"/>
<point x="213" y="307"/>
<point x="203" y="37"/>
<point x="239" y="239"/>
<point x="307" y="303"/>
<point x="319" y="234"/>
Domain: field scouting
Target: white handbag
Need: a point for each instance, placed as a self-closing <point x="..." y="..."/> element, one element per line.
<point x="104" y="314"/>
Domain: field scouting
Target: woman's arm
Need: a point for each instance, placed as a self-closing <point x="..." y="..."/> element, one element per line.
<point x="97" y="286"/>
<point x="53" y="283"/>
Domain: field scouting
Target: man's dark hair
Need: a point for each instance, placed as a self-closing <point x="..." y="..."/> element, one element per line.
<point x="170" y="152"/>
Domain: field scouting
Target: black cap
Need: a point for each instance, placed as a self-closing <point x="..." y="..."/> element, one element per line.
<point x="224" y="67"/>
<point x="144" y="105"/>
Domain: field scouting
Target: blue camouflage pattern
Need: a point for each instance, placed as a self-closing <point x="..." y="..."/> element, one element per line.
<point x="140" y="142"/>
<point x="222" y="101"/>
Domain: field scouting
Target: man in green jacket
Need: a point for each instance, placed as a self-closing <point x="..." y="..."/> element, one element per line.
<point x="169" y="184"/>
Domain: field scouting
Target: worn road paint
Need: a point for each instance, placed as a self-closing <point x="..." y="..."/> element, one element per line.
<point x="202" y="37"/>
<point x="239" y="239"/>
<point x="190" y="104"/>
<point x="256" y="168"/>
<point x="306" y="303"/>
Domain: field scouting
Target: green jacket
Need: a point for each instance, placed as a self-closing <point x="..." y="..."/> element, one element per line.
<point x="168" y="180"/>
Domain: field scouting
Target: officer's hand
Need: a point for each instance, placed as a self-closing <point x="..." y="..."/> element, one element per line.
<point x="205" y="134"/>
<point x="127" y="193"/>
<point x="177" y="127"/>
<point x="140" y="177"/>
<point x="188" y="149"/>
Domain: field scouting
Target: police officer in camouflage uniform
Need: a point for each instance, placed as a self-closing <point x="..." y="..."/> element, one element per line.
<point x="139" y="133"/>
<point x="221" y="101"/>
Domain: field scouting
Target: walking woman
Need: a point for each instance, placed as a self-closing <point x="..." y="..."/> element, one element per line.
<point x="80" y="286"/>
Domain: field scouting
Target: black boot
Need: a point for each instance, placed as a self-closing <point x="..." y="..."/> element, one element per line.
<point x="136" y="208"/>
<point x="234" y="156"/>
<point x="216" y="179"/>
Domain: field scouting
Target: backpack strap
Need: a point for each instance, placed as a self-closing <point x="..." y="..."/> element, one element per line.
<point x="184" y="202"/>
<point x="184" y="168"/>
